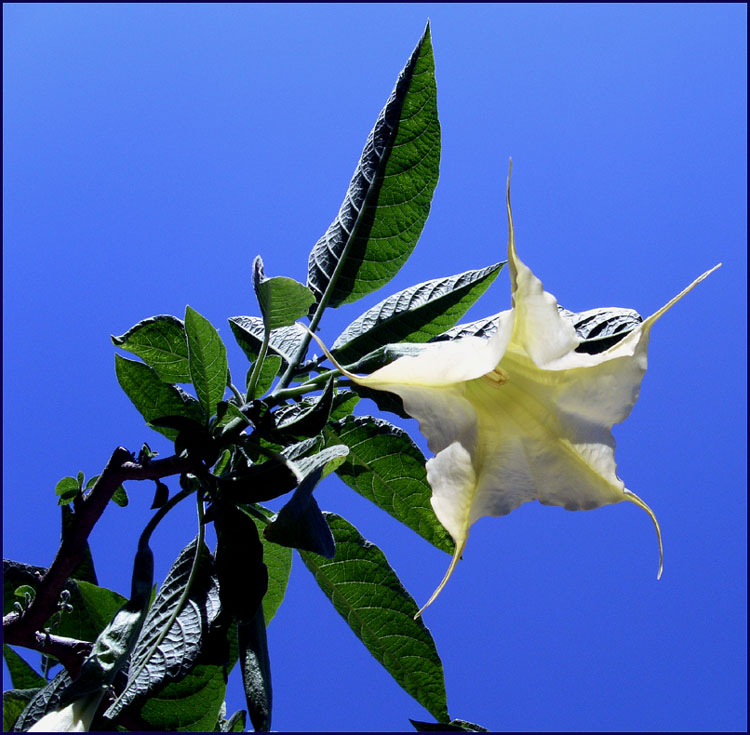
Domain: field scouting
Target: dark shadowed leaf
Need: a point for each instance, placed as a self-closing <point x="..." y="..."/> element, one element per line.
<point x="242" y="575"/>
<point x="248" y="331"/>
<point x="414" y="315"/>
<point x="389" y="196"/>
<point x="256" y="671"/>
<point x="366" y="592"/>
<point x="385" y="466"/>
<point x="300" y="524"/>
<point x="178" y="651"/>
<point x="306" y="418"/>
<point x="207" y="358"/>
<point x="152" y="397"/>
<point x="452" y="726"/>
<point x="161" y="343"/>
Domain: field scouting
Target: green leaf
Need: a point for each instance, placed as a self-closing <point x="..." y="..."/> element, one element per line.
<point x="191" y="704"/>
<point x="256" y="670"/>
<point x="268" y="372"/>
<point x="366" y="592"/>
<point x="389" y="196"/>
<point x="15" y="701"/>
<point x="99" y="604"/>
<point x="248" y="331"/>
<point x="179" y="649"/>
<point x="480" y="328"/>
<point x="67" y="490"/>
<point x="207" y="358"/>
<point x="22" y="675"/>
<point x="161" y="343"/>
<point x="414" y="315"/>
<point x="282" y="300"/>
<point x="120" y="497"/>
<point x="152" y="397"/>
<point x="385" y="466"/>
<point x="453" y="726"/>
<point x="278" y="561"/>
<point x="24" y="590"/>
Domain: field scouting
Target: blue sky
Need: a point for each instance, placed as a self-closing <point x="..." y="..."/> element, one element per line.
<point x="151" y="151"/>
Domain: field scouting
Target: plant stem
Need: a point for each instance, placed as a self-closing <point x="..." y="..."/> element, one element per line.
<point x="257" y="366"/>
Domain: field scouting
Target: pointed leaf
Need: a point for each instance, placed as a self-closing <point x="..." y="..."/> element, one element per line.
<point x="366" y="592"/>
<point x="300" y="524"/>
<point x="177" y="653"/>
<point x="207" y="358"/>
<point x="414" y="315"/>
<point x="385" y="466"/>
<point x="22" y="676"/>
<point x="248" y="331"/>
<point x="389" y="196"/>
<point x="152" y="397"/>
<point x="161" y="343"/>
<point x="256" y="671"/>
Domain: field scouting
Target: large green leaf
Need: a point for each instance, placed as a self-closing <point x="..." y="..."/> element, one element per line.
<point x="385" y="466"/>
<point x="191" y="704"/>
<point x="178" y="651"/>
<point x="389" y="196"/>
<point x="22" y="676"/>
<point x="414" y="315"/>
<point x="154" y="398"/>
<point x="161" y="343"/>
<point x="282" y="300"/>
<point x="207" y="357"/>
<point x="366" y="592"/>
<point x="248" y="331"/>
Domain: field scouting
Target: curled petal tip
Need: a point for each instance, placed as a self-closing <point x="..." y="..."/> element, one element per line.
<point x="456" y="556"/>
<point x="633" y="498"/>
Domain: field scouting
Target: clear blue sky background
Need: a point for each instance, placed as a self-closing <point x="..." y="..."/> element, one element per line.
<point x="151" y="151"/>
